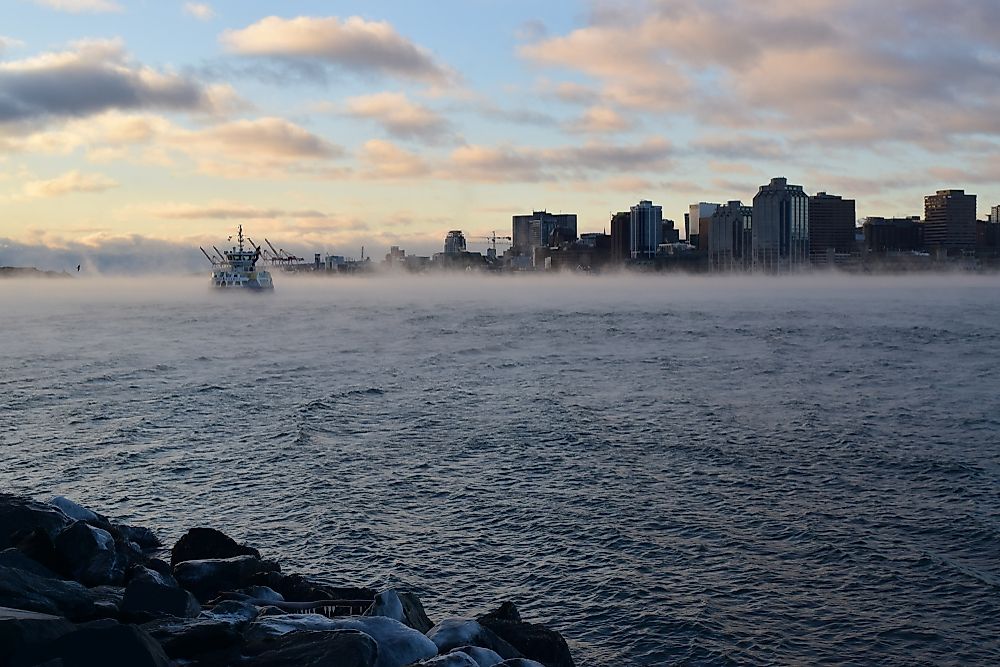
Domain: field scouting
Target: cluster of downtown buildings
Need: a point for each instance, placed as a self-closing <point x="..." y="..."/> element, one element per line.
<point x="783" y="229"/>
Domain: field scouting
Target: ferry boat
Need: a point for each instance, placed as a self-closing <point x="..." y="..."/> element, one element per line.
<point x="237" y="268"/>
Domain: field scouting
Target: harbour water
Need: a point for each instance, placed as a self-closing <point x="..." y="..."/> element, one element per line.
<point x="665" y="469"/>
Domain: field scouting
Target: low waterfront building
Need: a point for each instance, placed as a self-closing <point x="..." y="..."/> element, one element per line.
<point x="886" y="235"/>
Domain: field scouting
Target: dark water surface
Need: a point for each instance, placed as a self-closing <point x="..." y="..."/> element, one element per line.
<point x="712" y="471"/>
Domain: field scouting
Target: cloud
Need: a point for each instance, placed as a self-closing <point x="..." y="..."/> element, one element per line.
<point x="68" y="183"/>
<point x="222" y="210"/>
<point x="819" y="71"/>
<point x="81" y="6"/>
<point x="384" y="160"/>
<point x="199" y="10"/>
<point x="92" y="77"/>
<point x="600" y="120"/>
<point x="400" y="117"/>
<point x="352" y="44"/>
<point x="523" y="164"/>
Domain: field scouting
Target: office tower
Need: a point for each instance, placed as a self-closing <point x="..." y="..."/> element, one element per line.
<point x="535" y="230"/>
<point x="831" y="226"/>
<point x="699" y="217"/>
<point x="780" y="226"/>
<point x="645" y="229"/>
<point x="454" y="243"/>
<point x="950" y="219"/>
<point x="729" y="237"/>
<point x="620" y="238"/>
<point x="995" y="215"/>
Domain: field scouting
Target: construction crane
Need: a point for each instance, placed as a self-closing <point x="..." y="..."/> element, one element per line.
<point x="492" y="239"/>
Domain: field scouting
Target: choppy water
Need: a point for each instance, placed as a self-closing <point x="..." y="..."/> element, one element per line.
<point x="667" y="470"/>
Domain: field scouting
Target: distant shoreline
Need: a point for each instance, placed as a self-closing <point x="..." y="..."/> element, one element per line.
<point x="29" y="272"/>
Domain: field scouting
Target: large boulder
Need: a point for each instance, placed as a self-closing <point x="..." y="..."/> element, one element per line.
<point x="343" y="648"/>
<point x="19" y="517"/>
<point x="218" y="632"/>
<point x="413" y="612"/>
<point x="150" y="594"/>
<point x="455" y="632"/>
<point x="21" y="589"/>
<point x="536" y="642"/>
<point x="20" y="560"/>
<point x="398" y="644"/>
<point x="484" y="657"/>
<point x="207" y="578"/>
<point x="208" y="544"/>
<point x="519" y="662"/>
<point x="111" y="646"/>
<point x="19" y="628"/>
<point x="89" y="554"/>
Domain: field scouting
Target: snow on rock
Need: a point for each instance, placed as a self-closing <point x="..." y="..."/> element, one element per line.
<point x="451" y="660"/>
<point x="484" y="657"/>
<point x="388" y="604"/>
<point x="398" y="644"/>
<point x="454" y="632"/>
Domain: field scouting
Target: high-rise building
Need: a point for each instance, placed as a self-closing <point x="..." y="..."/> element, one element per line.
<point x="620" y="238"/>
<point x="831" y="226"/>
<point x="535" y="230"/>
<point x="699" y="217"/>
<point x="892" y="234"/>
<point x="995" y="215"/>
<point x="670" y="232"/>
<point x="729" y="237"/>
<point x="950" y="219"/>
<point x="780" y="226"/>
<point x="645" y="229"/>
<point x="454" y="243"/>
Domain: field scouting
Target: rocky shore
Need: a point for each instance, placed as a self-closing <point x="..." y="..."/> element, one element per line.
<point x="79" y="589"/>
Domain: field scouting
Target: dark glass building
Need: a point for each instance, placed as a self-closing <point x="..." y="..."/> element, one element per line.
<point x="950" y="220"/>
<point x="831" y="226"/>
<point x="729" y="237"/>
<point x="620" y="238"/>
<point x="535" y="230"/>
<point x="884" y="235"/>
<point x="780" y="226"/>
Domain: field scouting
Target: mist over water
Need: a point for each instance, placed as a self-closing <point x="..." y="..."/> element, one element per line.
<point x="712" y="470"/>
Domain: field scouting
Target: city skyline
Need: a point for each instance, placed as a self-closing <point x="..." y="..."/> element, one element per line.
<point x="377" y="124"/>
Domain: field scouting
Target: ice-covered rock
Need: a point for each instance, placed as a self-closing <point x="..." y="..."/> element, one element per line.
<point x="78" y="512"/>
<point x="264" y="593"/>
<point x="388" y="604"/>
<point x="454" y="632"/>
<point x="484" y="657"/>
<point x="451" y="660"/>
<point x="343" y="648"/>
<point x="398" y="644"/>
<point x="519" y="662"/>
<point x="216" y="630"/>
<point x="414" y="613"/>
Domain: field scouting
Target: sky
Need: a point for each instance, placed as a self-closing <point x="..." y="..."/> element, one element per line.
<point x="133" y="126"/>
